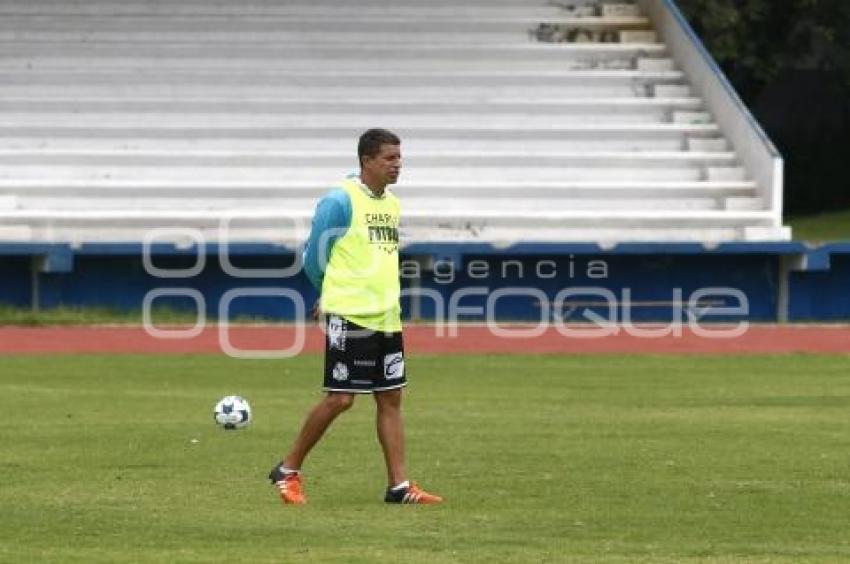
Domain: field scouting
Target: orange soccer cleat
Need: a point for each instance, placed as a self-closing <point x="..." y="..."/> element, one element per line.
<point x="288" y="485"/>
<point x="411" y="494"/>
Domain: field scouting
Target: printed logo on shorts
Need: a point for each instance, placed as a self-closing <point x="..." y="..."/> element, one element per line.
<point x="340" y="372"/>
<point x="336" y="333"/>
<point x="393" y="366"/>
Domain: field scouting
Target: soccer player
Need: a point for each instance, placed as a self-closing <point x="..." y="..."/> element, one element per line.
<point x="351" y="257"/>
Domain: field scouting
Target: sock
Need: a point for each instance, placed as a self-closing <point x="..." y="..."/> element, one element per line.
<point x="287" y="471"/>
<point x="402" y="486"/>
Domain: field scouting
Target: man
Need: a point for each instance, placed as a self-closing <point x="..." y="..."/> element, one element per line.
<point x="352" y="259"/>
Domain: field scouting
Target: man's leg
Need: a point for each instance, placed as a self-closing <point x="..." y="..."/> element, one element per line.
<point x="391" y="435"/>
<point x="318" y="421"/>
<point x="286" y="476"/>
<point x="390" y="426"/>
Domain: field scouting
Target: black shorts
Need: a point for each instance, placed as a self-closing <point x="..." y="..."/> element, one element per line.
<point x="360" y="360"/>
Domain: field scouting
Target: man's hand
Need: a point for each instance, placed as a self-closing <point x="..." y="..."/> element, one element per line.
<point x="316" y="312"/>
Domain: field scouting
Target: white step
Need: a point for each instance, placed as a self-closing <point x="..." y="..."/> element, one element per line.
<point x="614" y="116"/>
<point x="708" y="144"/>
<point x="110" y="188"/>
<point x="436" y="130"/>
<point x="337" y="19"/>
<point x="248" y="6"/>
<point x="212" y="6"/>
<point x="725" y="174"/>
<point x="261" y="225"/>
<point x="24" y="233"/>
<point x="555" y="218"/>
<point x="8" y="202"/>
<point x="601" y="172"/>
<point x="606" y="236"/>
<point x="772" y="233"/>
<point x="692" y="117"/>
<point x="620" y="10"/>
<point x="744" y="204"/>
<point x="358" y="121"/>
<point x="302" y="36"/>
<point x="638" y="36"/>
<point x="598" y="22"/>
<point x="413" y="216"/>
<point x="276" y="106"/>
<point x="423" y="62"/>
<point x="224" y="66"/>
<point x="672" y="91"/>
<point x="306" y="11"/>
<point x="12" y="158"/>
<point x="338" y="78"/>
<point x="224" y="50"/>
<point x="421" y="203"/>
<point x="171" y="88"/>
<point x="268" y="35"/>
<point x="586" y="226"/>
<point x="659" y="64"/>
<point x="260" y="144"/>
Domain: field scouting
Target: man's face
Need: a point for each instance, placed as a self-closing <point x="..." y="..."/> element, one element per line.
<point x="386" y="165"/>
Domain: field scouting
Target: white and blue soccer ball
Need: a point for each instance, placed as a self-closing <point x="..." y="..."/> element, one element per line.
<point x="232" y="412"/>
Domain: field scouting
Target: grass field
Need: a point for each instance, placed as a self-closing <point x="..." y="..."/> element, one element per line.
<point x="552" y="459"/>
<point x="824" y="227"/>
<point x="90" y="315"/>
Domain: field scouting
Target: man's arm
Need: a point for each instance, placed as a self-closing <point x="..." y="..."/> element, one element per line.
<point x="330" y="222"/>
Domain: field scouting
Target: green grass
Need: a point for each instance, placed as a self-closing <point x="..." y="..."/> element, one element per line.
<point x="832" y="226"/>
<point x="93" y="315"/>
<point x="67" y="315"/>
<point x="541" y="459"/>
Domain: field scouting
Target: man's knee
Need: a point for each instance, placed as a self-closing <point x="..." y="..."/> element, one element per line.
<point x="339" y="402"/>
<point x="390" y="399"/>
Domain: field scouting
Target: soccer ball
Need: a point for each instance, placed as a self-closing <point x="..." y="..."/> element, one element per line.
<point x="232" y="412"/>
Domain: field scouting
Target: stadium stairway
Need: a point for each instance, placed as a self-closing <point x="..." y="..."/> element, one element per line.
<point x="521" y="120"/>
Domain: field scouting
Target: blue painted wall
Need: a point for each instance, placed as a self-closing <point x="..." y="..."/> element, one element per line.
<point x="649" y="281"/>
<point x="822" y="295"/>
<point x="121" y="281"/>
<point x="115" y="276"/>
<point x="15" y="280"/>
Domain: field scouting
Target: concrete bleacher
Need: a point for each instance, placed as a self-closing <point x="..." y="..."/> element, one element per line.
<point x="521" y="121"/>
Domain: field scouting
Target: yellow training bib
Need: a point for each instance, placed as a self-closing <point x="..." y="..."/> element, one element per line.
<point x="362" y="277"/>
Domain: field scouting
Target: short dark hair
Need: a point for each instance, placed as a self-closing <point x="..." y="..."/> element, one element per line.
<point x="371" y="141"/>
